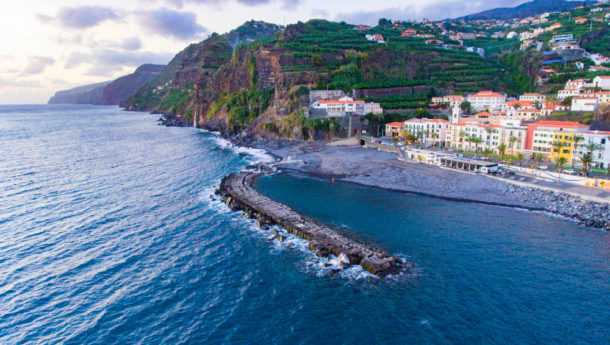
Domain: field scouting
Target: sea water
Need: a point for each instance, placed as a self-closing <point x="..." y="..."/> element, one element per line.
<point x="110" y="234"/>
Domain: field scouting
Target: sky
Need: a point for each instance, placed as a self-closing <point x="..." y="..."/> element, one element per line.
<point x="51" y="45"/>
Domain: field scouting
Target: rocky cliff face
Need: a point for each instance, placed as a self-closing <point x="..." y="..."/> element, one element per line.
<point x="110" y="92"/>
<point x="87" y="94"/>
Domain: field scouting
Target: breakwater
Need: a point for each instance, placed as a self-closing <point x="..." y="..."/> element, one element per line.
<point x="237" y="192"/>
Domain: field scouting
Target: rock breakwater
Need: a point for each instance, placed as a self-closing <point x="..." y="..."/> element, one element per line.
<point x="236" y="191"/>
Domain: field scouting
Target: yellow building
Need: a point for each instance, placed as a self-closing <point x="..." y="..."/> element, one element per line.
<point x="542" y="136"/>
<point x="567" y="140"/>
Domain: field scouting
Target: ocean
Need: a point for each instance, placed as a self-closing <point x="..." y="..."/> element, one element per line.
<point x="110" y="234"/>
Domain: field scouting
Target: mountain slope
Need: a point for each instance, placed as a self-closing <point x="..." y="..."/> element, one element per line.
<point x="86" y="94"/>
<point x="109" y="92"/>
<point x="527" y="9"/>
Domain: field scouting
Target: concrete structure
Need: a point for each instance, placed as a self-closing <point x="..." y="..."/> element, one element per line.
<point x="542" y="135"/>
<point x="584" y="103"/>
<point x="429" y="131"/>
<point x="468" y="164"/>
<point x="563" y="94"/>
<point x="575" y="84"/>
<point x="487" y="100"/>
<point x="602" y="81"/>
<point x="603" y="97"/>
<point x="316" y="95"/>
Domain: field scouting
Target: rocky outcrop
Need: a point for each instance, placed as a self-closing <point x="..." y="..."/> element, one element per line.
<point x="238" y="194"/>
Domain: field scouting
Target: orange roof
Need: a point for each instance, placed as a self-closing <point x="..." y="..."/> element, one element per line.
<point x="604" y="76"/>
<point x="338" y="101"/>
<point x="488" y="94"/>
<point x="598" y="132"/>
<point x="483" y="113"/>
<point x="427" y="120"/>
<point x="396" y="124"/>
<point x="521" y="103"/>
<point x="566" y="124"/>
<point x="602" y="93"/>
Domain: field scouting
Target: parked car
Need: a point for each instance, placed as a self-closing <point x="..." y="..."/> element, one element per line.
<point x="570" y="171"/>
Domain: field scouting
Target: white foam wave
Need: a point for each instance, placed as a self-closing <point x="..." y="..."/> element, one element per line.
<point x="257" y="155"/>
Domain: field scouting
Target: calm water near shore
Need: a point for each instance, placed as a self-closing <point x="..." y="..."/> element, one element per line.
<point x="108" y="235"/>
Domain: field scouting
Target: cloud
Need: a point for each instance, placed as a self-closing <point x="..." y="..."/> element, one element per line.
<point x="19" y="83"/>
<point x="37" y="64"/>
<point x="132" y="43"/>
<point x="167" y="22"/>
<point x="287" y="4"/>
<point x="433" y="11"/>
<point x="79" y="17"/>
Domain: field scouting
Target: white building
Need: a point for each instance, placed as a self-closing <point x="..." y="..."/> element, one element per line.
<point x="601" y="157"/>
<point x="602" y="81"/>
<point x="532" y="97"/>
<point x="372" y="108"/>
<point x="575" y="84"/>
<point x="511" y="35"/>
<point x="562" y="94"/>
<point x="428" y="131"/>
<point x="603" y="97"/>
<point x="487" y="100"/>
<point x="583" y="103"/>
<point x="340" y="107"/>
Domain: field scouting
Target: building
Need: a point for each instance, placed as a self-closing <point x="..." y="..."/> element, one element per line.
<point x="580" y="20"/>
<point x="340" y="107"/>
<point x="563" y="94"/>
<point x="491" y="137"/>
<point x="602" y="81"/>
<point x="575" y="84"/>
<point x="430" y="132"/>
<point x="362" y="27"/>
<point x="584" y="103"/>
<point x="533" y="97"/>
<point x="487" y="100"/>
<point x="409" y="33"/>
<point x="528" y="114"/>
<point x="375" y="38"/>
<point x="517" y="104"/>
<point x="541" y="137"/>
<point x="603" y="97"/>
<point x="394" y="129"/>
<point x="372" y="108"/>
<point x="601" y="156"/>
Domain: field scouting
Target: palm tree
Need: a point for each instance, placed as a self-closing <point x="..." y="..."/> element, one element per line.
<point x="502" y="149"/>
<point x="520" y="158"/>
<point x="557" y="146"/>
<point x="592" y="147"/>
<point x="560" y="162"/>
<point x="512" y="141"/>
<point x="487" y="152"/>
<point x="490" y="131"/>
<point x="575" y="140"/>
<point x="538" y="157"/>
<point x="476" y="141"/>
<point x="586" y="160"/>
<point x="462" y="135"/>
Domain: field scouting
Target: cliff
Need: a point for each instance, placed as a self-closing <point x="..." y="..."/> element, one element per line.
<point x="532" y="8"/>
<point x="87" y="94"/>
<point x="110" y="92"/>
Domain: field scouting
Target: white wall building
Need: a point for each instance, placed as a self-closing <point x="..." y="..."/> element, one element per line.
<point x="372" y="108"/>
<point x="563" y="94"/>
<point x="584" y="104"/>
<point x="487" y="100"/>
<point x="429" y="131"/>
<point x="601" y="157"/>
<point x="532" y="97"/>
<point x="602" y="81"/>
<point x="340" y="107"/>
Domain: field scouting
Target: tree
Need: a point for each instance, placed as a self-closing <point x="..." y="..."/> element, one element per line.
<point x="395" y="140"/>
<point x="538" y="157"/>
<point x="592" y="147"/>
<point x="560" y="162"/>
<point x="466" y="106"/>
<point x="490" y="131"/>
<point x="512" y="141"/>
<point x="586" y="160"/>
<point x="520" y="158"/>
<point x="575" y="140"/>
<point x="486" y="152"/>
<point x="384" y="21"/>
<point x="476" y="141"/>
<point x="502" y="149"/>
<point x="557" y="146"/>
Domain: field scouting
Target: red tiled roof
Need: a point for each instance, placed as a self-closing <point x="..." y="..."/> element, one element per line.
<point x="598" y="132"/>
<point x="339" y="101"/>
<point x="396" y="124"/>
<point x="487" y="94"/>
<point x="557" y="124"/>
<point x="521" y="103"/>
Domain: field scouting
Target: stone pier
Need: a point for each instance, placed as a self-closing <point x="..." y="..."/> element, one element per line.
<point x="238" y="194"/>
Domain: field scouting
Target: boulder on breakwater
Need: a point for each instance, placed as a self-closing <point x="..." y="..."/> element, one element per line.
<point x="238" y="194"/>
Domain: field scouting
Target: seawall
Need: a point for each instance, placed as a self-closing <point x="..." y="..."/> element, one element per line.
<point x="237" y="192"/>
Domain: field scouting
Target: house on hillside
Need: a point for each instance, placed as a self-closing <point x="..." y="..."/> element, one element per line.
<point x="375" y="38"/>
<point x="580" y="20"/>
<point x="486" y="100"/>
<point x="409" y="33"/>
<point x="584" y="103"/>
<point x="602" y="81"/>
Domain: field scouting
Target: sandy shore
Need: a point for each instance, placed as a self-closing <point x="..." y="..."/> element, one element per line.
<point x="381" y="169"/>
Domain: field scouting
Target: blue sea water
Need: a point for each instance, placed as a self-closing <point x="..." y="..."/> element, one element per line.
<point x="108" y="235"/>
